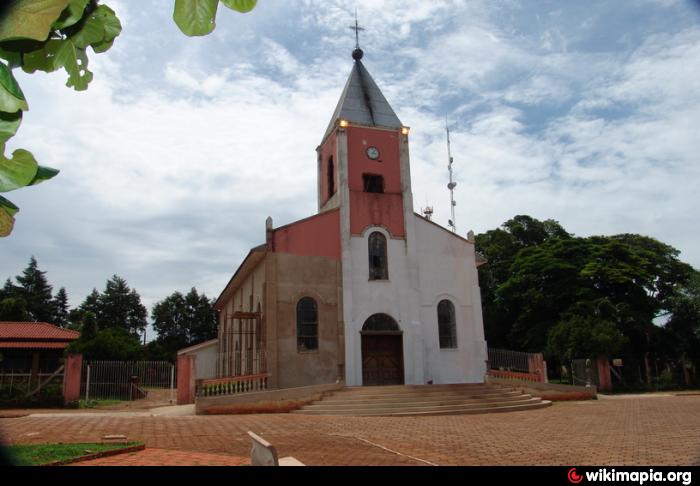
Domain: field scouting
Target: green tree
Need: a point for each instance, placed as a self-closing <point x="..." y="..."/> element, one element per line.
<point x="681" y="333"/>
<point x="61" y="308"/>
<point x="36" y="292"/>
<point x="120" y="306"/>
<point x="584" y="336"/>
<point x="8" y="290"/>
<point x="500" y="247"/>
<point x="183" y="320"/>
<point x="13" y="309"/>
<point x="109" y="344"/>
<point x="91" y="303"/>
<point x="88" y="329"/>
<point x="547" y="289"/>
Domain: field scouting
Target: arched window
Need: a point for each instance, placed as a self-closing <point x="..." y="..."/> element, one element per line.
<point x="377" y="257"/>
<point x="331" y="177"/>
<point x="447" y="325"/>
<point x="307" y="324"/>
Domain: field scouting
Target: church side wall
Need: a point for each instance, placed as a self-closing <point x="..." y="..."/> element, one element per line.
<point x="318" y="278"/>
<point x="247" y="298"/>
<point x="447" y="268"/>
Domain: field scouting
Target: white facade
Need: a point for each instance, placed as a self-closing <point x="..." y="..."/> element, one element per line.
<point x="426" y="265"/>
<point x="447" y="269"/>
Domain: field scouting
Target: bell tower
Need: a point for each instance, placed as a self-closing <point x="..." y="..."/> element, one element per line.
<point x="364" y="172"/>
<point x="363" y="157"/>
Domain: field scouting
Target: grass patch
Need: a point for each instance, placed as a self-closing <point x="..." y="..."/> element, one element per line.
<point x="40" y="454"/>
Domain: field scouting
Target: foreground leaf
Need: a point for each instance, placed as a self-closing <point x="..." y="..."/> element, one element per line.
<point x="102" y="46"/>
<point x="195" y="17"/>
<point x="43" y="59"/>
<point x="7" y="221"/>
<point x="92" y="32"/>
<point x="13" y="58"/>
<point x="9" y="123"/>
<point x="29" y="19"/>
<point x="7" y="205"/>
<point x="43" y="174"/>
<point x="75" y="62"/>
<point x="242" y="6"/>
<point x="18" y="171"/>
<point x="11" y="96"/>
<point x="71" y="15"/>
<point x="111" y="23"/>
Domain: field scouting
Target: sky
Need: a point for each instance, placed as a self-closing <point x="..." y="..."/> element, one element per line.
<point x="584" y="112"/>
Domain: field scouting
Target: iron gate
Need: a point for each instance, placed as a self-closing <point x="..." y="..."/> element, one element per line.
<point x="126" y="380"/>
<point x="584" y="372"/>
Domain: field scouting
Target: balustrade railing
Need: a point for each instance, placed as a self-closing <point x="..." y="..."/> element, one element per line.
<point x="517" y="365"/>
<point x="232" y="385"/>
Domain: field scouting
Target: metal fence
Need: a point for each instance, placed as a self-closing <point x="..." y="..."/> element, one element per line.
<point x="507" y="360"/>
<point x="126" y="380"/>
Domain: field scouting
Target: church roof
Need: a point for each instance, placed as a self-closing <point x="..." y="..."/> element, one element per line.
<point x="363" y="103"/>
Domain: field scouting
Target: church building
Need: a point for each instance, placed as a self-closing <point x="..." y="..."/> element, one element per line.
<point x="366" y="291"/>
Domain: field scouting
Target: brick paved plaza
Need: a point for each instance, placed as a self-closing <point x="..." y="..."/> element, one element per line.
<point x="633" y="430"/>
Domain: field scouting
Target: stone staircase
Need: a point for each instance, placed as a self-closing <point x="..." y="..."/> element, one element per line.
<point x="408" y="400"/>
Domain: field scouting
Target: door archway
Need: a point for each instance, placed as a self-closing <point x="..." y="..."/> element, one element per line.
<point x="382" y="351"/>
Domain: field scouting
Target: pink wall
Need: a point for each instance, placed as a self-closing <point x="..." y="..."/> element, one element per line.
<point x="185" y="379"/>
<point x="376" y="210"/>
<point x="318" y="235"/>
<point x="388" y="165"/>
<point x="71" y="378"/>
<point x="604" y="377"/>
<point x="368" y="209"/>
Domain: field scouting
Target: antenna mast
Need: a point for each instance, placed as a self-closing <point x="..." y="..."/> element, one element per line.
<point x="451" y="186"/>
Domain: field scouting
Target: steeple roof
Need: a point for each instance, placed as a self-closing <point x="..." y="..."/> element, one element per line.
<point x="363" y="103"/>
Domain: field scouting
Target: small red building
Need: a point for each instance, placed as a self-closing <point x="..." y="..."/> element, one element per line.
<point x="32" y="347"/>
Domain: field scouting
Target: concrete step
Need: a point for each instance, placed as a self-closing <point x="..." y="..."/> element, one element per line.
<point x="420" y="388"/>
<point x="369" y="394"/>
<point x="353" y="404"/>
<point x="420" y="406"/>
<point x="530" y="404"/>
<point x="423" y="398"/>
<point x="419" y="400"/>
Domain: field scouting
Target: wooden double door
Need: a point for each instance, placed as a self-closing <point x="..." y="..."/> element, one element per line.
<point x="382" y="359"/>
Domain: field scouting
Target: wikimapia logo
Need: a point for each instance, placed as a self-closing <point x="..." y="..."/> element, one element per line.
<point x="637" y="477"/>
<point x="574" y="477"/>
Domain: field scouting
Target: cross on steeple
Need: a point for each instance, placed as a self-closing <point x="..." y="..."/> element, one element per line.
<point x="357" y="30"/>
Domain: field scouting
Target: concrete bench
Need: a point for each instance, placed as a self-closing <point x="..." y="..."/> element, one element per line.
<point x="264" y="454"/>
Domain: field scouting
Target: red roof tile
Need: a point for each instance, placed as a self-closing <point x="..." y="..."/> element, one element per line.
<point x="35" y="330"/>
<point x="32" y="345"/>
